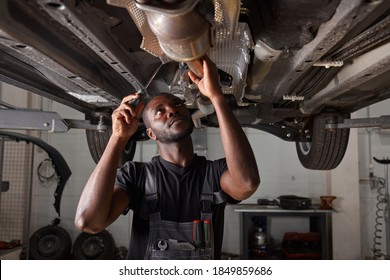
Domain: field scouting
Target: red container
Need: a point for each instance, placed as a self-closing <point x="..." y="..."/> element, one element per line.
<point x="302" y="246"/>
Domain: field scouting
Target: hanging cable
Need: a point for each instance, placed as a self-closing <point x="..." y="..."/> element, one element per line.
<point x="382" y="214"/>
<point x="46" y="171"/>
<point x="379" y="218"/>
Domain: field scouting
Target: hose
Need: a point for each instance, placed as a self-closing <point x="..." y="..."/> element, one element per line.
<point x="44" y="173"/>
<point x="381" y="200"/>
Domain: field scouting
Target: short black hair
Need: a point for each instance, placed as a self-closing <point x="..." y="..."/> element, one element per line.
<point x="145" y="120"/>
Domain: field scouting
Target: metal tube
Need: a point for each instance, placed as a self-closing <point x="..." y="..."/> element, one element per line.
<point x="27" y="225"/>
<point x="196" y="66"/>
<point x="2" y="139"/>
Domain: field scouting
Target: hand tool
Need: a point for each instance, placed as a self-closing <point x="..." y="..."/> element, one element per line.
<point x="208" y="234"/>
<point x="197" y="234"/>
<point x="135" y="102"/>
<point x="162" y="245"/>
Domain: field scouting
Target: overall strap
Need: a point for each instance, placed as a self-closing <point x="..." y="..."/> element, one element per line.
<point x="151" y="195"/>
<point x="208" y="197"/>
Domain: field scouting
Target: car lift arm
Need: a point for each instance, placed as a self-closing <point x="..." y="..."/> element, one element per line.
<point x="42" y="120"/>
<point x="382" y="122"/>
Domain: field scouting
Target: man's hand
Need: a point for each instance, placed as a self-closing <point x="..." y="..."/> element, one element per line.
<point x="208" y="85"/>
<point x="242" y="178"/>
<point x="125" y="118"/>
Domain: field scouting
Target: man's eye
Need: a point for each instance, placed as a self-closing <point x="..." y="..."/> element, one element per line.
<point x="158" y="112"/>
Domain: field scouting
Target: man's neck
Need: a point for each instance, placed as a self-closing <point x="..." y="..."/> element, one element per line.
<point x="179" y="153"/>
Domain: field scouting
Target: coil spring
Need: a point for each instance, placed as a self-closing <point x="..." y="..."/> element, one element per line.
<point x="379" y="218"/>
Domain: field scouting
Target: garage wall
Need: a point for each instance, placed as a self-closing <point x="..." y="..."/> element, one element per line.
<point x="280" y="171"/>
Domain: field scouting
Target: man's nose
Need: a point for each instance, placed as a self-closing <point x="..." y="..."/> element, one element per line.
<point x="171" y="112"/>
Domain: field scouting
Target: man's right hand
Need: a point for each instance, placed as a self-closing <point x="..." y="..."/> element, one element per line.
<point x="208" y="85"/>
<point x="125" y="118"/>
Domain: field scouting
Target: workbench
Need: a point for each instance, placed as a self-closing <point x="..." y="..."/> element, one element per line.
<point x="319" y="221"/>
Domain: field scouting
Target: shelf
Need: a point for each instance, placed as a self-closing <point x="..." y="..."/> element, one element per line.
<point x="319" y="221"/>
<point x="7" y="251"/>
<point x="276" y="209"/>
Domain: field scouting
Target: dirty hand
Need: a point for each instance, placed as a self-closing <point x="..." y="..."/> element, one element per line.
<point x="208" y="85"/>
<point x="125" y="118"/>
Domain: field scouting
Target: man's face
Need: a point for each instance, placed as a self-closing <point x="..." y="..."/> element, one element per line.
<point x="169" y="118"/>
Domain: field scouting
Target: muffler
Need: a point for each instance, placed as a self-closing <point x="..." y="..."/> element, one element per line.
<point x="183" y="33"/>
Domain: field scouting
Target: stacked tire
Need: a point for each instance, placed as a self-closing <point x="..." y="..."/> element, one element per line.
<point x="53" y="242"/>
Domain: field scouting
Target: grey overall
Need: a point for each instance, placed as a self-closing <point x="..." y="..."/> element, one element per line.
<point x="171" y="240"/>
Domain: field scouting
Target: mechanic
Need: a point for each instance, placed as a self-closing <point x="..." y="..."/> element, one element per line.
<point x="178" y="199"/>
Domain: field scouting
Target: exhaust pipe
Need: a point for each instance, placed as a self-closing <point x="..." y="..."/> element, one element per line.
<point x="183" y="33"/>
<point x="184" y="36"/>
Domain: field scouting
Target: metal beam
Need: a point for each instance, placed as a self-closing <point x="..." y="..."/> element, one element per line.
<point x="382" y="122"/>
<point x="41" y="120"/>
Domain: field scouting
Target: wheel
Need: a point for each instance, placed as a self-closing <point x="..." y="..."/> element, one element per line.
<point x="97" y="141"/>
<point x="99" y="246"/>
<point x="50" y="243"/>
<point x="327" y="146"/>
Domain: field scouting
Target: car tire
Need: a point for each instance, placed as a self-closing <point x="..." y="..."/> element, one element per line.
<point x="100" y="246"/>
<point x="97" y="142"/>
<point x="327" y="147"/>
<point x="51" y="242"/>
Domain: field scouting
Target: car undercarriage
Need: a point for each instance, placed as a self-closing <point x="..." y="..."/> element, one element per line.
<point x="294" y="68"/>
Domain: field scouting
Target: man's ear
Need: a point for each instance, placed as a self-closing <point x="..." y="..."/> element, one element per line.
<point x="151" y="134"/>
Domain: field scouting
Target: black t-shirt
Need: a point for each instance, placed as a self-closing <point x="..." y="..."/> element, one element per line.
<point x="179" y="192"/>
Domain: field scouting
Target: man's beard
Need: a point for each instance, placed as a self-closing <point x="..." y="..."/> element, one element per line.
<point x="167" y="136"/>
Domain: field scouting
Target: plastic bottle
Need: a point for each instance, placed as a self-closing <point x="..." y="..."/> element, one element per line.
<point x="260" y="238"/>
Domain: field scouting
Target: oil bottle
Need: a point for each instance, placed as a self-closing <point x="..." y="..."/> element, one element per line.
<point x="260" y="242"/>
